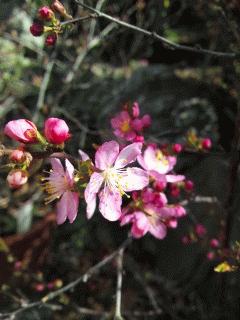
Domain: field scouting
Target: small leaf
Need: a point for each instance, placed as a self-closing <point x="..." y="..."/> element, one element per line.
<point x="225" y="267"/>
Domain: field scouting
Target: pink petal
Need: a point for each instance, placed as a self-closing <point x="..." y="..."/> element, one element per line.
<point x="130" y="135"/>
<point x="57" y="166"/>
<point x="142" y="163"/>
<point x="158" y="176"/>
<point x="135" y="179"/>
<point x="159" y="230"/>
<point x="174" y="178"/>
<point x="128" y="154"/>
<point x="73" y="203"/>
<point x="110" y="204"/>
<point x="83" y="155"/>
<point x="140" y="225"/>
<point x="69" y="171"/>
<point x="125" y="219"/>
<point x="150" y="157"/>
<point x="62" y="209"/>
<point x="91" y="190"/>
<point x="106" y="155"/>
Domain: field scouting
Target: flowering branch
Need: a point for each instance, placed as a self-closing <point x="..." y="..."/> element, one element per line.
<point x="169" y="44"/>
<point x="83" y="278"/>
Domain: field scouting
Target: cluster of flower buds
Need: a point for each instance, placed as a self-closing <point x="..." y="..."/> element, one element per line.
<point x="128" y="125"/>
<point x="48" y="23"/>
<point x="197" y="143"/>
<point x="56" y="132"/>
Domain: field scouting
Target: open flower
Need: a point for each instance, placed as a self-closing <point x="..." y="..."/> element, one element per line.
<point x="111" y="179"/>
<point x="60" y="185"/>
<point x="159" y="165"/>
<point x="151" y="213"/>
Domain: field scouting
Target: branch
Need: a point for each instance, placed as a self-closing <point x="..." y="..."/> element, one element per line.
<point x="83" y="278"/>
<point x="169" y="44"/>
<point x="119" y="285"/>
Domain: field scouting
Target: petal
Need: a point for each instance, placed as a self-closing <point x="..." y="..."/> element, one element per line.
<point x="140" y="225"/>
<point x="57" y="166"/>
<point x="159" y="177"/>
<point x="128" y="154"/>
<point x="62" y="208"/>
<point x="69" y="171"/>
<point x="174" y="178"/>
<point x="83" y="155"/>
<point x="110" y="204"/>
<point x="135" y="179"/>
<point x="125" y="219"/>
<point x="91" y="190"/>
<point x="91" y="205"/>
<point x="106" y="155"/>
<point x="159" y="230"/>
<point x="73" y="203"/>
<point x="142" y="163"/>
<point x="149" y="157"/>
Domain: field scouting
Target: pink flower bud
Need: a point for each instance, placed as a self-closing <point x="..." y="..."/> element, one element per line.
<point x="210" y="255"/>
<point x="37" y="29"/>
<point x="177" y="148"/>
<point x="214" y="243"/>
<point x="188" y="185"/>
<point x="17" y="156"/>
<point x="200" y="230"/>
<point x="21" y="130"/>
<point x="51" y="39"/>
<point x="135" y="110"/>
<point x="17" y="178"/>
<point x="56" y="130"/>
<point x="45" y="13"/>
<point x="206" y="144"/>
<point x="146" y="120"/>
<point x="174" y="191"/>
<point x="172" y="223"/>
<point x="39" y="287"/>
<point x="186" y="240"/>
<point x="160" y="185"/>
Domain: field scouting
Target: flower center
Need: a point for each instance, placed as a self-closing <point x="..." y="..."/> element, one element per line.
<point x="160" y="156"/>
<point x="125" y="126"/>
<point x="113" y="177"/>
<point x="55" y="186"/>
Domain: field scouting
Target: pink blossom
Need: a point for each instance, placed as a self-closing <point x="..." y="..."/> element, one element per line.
<point x="56" y="130"/>
<point x="122" y="126"/>
<point x="60" y="185"/>
<point x="159" y="165"/>
<point x="112" y="180"/>
<point x="177" y="148"/>
<point x="21" y="130"/>
<point x="151" y="213"/>
<point x="45" y="13"/>
<point x="17" y="178"/>
<point x="135" y="110"/>
<point x="206" y="144"/>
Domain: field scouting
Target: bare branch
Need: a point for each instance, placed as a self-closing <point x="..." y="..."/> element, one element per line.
<point x="169" y="44"/>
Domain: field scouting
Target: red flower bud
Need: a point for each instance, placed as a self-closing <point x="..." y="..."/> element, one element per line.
<point x="17" y="156"/>
<point x="206" y="144"/>
<point x="37" y="29"/>
<point x="45" y="13"/>
<point x="189" y="185"/>
<point x="177" y="148"/>
<point x="17" y="178"/>
<point x="21" y="130"/>
<point x="58" y="7"/>
<point x="51" y="39"/>
<point x="56" y="130"/>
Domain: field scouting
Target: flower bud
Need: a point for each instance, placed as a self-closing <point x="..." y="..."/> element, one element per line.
<point x="177" y="148"/>
<point x="206" y="144"/>
<point x="56" y="130"/>
<point x="200" y="230"/>
<point x="214" y="243"/>
<point x="45" y="13"/>
<point x="21" y="130"/>
<point x="135" y="110"/>
<point x="37" y="29"/>
<point x="58" y="7"/>
<point x="51" y="39"/>
<point x="17" y="178"/>
<point x="188" y="185"/>
<point x="17" y="155"/>
<point x="146" y="120"/>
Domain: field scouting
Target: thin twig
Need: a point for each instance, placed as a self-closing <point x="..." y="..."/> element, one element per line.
<point x="169" y="44"/>
<point x="83" y="278"/>
<point x="90" y="16"/>
<point x="119" y="285"/>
